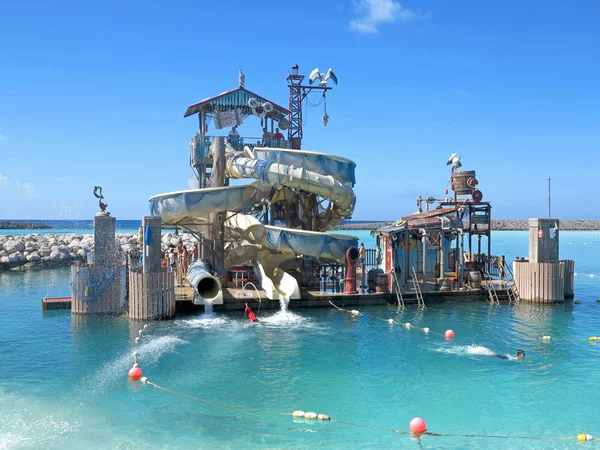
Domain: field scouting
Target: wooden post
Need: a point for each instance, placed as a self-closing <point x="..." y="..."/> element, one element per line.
<point x="152" y="296"/>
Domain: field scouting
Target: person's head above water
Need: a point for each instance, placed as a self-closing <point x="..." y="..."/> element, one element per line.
<point x="520" y="354"/>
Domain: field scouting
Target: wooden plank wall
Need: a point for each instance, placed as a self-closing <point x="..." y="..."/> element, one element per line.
<point x="540" y="282"/>
<point x="151" y="296"/>
<point x="110" y="303"/>
<point x="569" y="269"/>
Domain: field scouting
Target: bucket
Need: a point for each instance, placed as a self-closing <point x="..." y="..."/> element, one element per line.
<point x="475" y="279"/>
<point x="459" y="182"/>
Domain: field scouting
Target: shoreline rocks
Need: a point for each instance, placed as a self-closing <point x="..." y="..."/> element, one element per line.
<point x="56" y="250"/>
<point x="22" y="225"/>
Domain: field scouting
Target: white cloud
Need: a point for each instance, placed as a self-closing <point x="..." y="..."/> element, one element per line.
<point x="3" y="180"/>
<point x="372" y="13"/>
<point x="2" y="138"/>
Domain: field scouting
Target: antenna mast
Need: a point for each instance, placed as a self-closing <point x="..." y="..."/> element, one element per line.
<point x="549" y="215"/>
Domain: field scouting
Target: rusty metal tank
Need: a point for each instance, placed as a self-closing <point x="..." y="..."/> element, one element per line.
<point x="464" y="181"/>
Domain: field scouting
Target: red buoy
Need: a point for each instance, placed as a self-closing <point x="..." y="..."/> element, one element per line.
<point x="135" y="373"/>
<point x="417" y="425"/>
<point x="449" y="334"/>
<point x="248" y="312"/>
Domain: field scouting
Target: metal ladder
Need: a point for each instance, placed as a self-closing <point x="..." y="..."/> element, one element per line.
<point x="508" y="278"/>
<point x="492" y="294"/>
<point x="399" y="297"/>
<point x="419" y="295"/>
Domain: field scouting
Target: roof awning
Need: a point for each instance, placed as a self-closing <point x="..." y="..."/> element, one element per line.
<point x="235" y="99"/>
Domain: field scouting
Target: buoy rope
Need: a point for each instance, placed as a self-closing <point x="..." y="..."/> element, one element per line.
<point x="212" y="402"/>
<point x="354" y="312"/>
<point x="496" y="436"/>
<point x="343" y="422"/>
<point x="360" y="425"/>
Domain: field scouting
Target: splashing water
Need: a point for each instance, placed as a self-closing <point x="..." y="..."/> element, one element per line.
<point x="464" y="350"/>
<point x="148" y="353"/>
<point x="207" y="320"/>
<point x="284" y="301"/>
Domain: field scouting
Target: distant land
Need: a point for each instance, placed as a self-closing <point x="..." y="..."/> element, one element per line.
<point x="21" y="225"/>
<point x="500" y="224"/>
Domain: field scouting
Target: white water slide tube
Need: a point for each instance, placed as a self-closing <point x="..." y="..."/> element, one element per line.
<point x="323" y="175"/>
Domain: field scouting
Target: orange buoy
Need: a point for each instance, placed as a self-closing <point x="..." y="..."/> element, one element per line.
<point x="248" y="312"/>
<point x="449" y="334"/>
<point x="135" y="373"/>
<point x="417" y="425"/>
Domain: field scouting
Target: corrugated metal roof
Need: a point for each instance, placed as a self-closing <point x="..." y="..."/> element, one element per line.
<point x="237" y="98"/>
<point x="432" y="213"/>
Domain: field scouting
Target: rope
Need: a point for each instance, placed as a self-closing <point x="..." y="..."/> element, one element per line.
<point x="354" y="312"/>
<point x="581" y="437"/>
<point x="360" y="425"/>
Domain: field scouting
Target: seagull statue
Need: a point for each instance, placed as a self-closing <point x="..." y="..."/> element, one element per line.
<point x="455" y="161"/>
<point x="323" y="78"/>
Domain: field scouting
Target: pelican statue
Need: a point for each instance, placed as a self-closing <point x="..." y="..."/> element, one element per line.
<point x="323" y="78"/>
<point x="98" y="195"/>
<point x="455" y="161"/>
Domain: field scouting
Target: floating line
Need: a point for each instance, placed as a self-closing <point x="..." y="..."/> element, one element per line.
<point x="362" y="425"/>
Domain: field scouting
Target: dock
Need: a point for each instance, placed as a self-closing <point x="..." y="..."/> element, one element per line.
<point x="56" y="303"/>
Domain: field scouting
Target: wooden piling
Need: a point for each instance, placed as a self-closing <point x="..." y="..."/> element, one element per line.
<point x="540" y="282"/>
<point x="151" y="296"/>
<point x="111" y="301"/>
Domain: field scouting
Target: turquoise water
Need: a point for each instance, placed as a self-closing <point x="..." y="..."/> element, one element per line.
<point x="63" y="379"/>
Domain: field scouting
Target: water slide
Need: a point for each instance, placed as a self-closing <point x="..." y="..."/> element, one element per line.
<point x="281" y="175"/>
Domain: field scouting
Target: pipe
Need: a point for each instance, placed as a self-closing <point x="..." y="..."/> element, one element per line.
<point x="206" y="286"/>
<point x="351" y="260"/>
<point x="424" y="241"/>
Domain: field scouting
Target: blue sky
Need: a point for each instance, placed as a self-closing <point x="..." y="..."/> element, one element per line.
<point x="93" y="93"/>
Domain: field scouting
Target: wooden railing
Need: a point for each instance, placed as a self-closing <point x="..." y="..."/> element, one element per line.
<point x="200" y="145"/>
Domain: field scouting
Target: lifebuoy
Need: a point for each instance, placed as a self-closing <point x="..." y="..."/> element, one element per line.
<point x="268" y="107"/>
<point x="253" y="103"/>
<point x="258" y="113"/>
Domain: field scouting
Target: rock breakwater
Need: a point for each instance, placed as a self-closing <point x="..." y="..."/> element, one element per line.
<point x="55" y="250"/>
<point x="501" y="224"/>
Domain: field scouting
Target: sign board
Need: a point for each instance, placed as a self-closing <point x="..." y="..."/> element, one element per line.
<point x="480" y="219"/>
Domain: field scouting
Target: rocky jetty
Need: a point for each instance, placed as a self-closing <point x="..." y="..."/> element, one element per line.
<point x="20" y="225"/>
<point x="501" y="224"/>
<point x="55" y="250"/>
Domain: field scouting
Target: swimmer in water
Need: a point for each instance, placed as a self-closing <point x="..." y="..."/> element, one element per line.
<point x="520" y="355"/>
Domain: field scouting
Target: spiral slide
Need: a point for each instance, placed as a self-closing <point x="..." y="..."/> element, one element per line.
<point x="281" y="175"/>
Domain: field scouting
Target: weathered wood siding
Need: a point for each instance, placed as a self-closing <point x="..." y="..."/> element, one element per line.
<point x="540" y="282"/>
<point x="151" y="296"/>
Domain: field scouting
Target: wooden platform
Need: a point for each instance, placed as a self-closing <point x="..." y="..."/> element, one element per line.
<point x="235" y="300"/>
<point x="56" y="303"/>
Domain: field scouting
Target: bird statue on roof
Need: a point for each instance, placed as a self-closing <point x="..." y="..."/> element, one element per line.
<point x="322" y="77"/>
<point x="455" y="161"/>
<point x="98" y="195"/>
